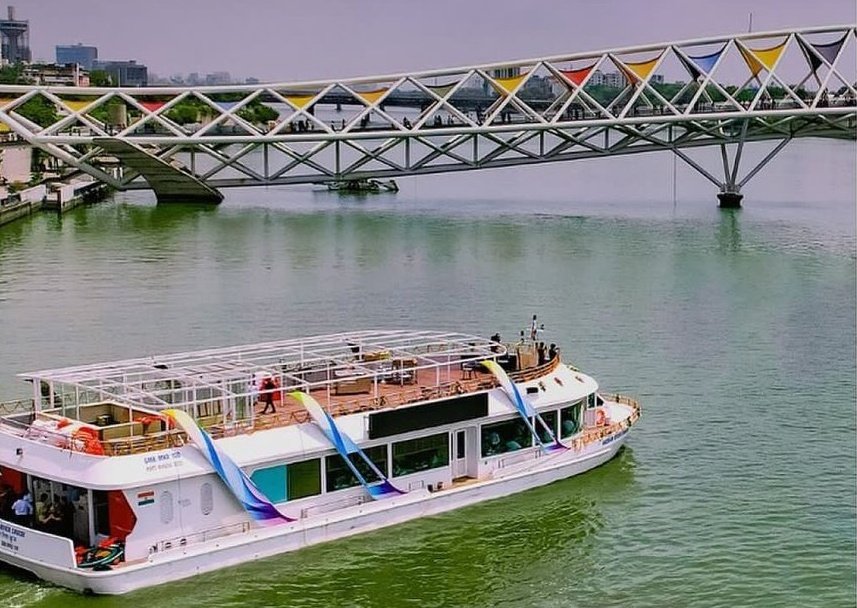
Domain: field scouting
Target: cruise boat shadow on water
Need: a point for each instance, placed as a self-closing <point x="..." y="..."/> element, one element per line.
<point x="127" y="474"/>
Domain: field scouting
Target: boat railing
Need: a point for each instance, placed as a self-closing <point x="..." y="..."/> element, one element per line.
<point x="531" y="373"/>
<point x="402" y="397"/>
<point x="200" y="537"/>
<point x="111" y="447"/>
<point x="597" y="433"/>
<point x="350" y="501"/>
<point x="511" y="459"/>
<point x="170" y="438"/>
<point x="16" y="406"/>
<point x="354" y="406"/>
<point x="149" y="442"/>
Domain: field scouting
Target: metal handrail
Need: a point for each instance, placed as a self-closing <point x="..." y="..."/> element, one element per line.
<point x="200" y="537"/>
<point x="597" y="433"/>
<point x="148" y="442"/>
<point x="16" y="406"/>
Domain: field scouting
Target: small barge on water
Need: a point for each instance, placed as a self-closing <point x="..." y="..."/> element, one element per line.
<point x="128" y="474"/>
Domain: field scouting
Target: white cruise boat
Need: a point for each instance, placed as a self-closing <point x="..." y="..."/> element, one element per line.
<point x="129" y="474"/>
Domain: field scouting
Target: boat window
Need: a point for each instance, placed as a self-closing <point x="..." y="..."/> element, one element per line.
<point x="288" y="482"/>
<point x="505" y="437"/>
<point x="339" y="476"/>
<point x="271" y="481"/>
<point x="420" y="454"/>
<point x="569" y="419"/>
<point x="427" y="416"/>
<point x="166" y="507"/>
<point x="590" y="401"/>
<point x="304" y="478"/>
<point x="550" y="420"/>
<point x="206" y="498"/>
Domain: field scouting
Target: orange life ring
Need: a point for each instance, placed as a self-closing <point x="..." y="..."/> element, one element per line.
<point x="91" y="442"/>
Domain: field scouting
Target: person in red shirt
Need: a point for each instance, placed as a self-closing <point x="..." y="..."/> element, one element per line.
<point x="267" y="392"/>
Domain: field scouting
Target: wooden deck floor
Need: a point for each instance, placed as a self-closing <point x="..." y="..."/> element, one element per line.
<point x="391" y="393"/>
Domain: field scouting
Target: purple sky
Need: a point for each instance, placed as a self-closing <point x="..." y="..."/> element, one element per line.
<point x="277" y="40"/>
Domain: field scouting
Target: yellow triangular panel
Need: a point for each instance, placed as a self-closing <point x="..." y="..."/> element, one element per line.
<point x="76" y="105"/>
<point x="507" y="85"/>
<point x="769" y="57"/>
<point x="372" y="96"/>
<point x="642" y="69"/>
<point x="4" y="128"/>
<point x="300" y="101"/>
<point x="752" y="62"/>
<point x="762" y="58"/>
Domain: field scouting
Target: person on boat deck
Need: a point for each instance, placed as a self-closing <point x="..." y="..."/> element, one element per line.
<point x="43" y="508"/>
<point x="66" y="510"/>
<point x="534" y="328"/>
<point x="55" y="523"/>
<point x="542" y="349"/>
<point x="267" y="391"/>
<point x="495" y="348"/>
<point x="22" y="510"/>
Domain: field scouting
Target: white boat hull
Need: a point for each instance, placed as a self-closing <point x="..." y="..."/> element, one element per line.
<point x="180" y="563"/>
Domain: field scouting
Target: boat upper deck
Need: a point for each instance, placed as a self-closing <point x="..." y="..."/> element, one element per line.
<point x="225" y="389"/>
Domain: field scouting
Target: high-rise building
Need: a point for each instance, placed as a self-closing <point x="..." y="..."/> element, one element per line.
<point x="14" y="39"/>
<point x="613" y="80"/>
<point x="124" y="73"/>
<point x="84" y="56"/>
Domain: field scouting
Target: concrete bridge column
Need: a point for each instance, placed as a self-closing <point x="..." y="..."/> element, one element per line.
<point x="730" y="199"/>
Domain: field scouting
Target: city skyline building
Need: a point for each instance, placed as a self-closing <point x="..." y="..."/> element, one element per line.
<point x="125" y="73"/>
<point x="81" y="54"/>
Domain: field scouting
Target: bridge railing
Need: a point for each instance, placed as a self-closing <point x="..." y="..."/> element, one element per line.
<point x="491" y="115"/>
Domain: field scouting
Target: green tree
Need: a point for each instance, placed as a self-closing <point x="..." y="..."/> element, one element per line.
<point x="39" y="110"/>
<point x="257" y="112"/>
<point x="189" y="110"/>
<point x="12" y="74"/>
<point x="100" y="78"/>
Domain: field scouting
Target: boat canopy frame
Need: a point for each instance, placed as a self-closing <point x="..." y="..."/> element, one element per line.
<point x="189" y="379"/>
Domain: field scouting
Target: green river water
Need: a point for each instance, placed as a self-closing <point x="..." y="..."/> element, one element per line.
<point x="736" y="330"/>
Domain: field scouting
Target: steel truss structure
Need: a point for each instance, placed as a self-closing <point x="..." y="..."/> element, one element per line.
<point x="729" y="90"/>
<point x="186" y="380"/>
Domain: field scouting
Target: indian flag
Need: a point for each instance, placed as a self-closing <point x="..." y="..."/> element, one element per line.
<point x="145" y="498"/>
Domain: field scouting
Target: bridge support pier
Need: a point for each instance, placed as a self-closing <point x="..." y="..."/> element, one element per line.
<point x="171" y="183"/>
<point x="730" y="199"/>
<point x="730" y="196"/>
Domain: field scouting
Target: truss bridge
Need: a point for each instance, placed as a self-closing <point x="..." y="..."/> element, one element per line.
<point x="188" y="143"/>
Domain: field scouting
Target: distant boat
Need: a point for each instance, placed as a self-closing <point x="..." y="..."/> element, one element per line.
<point x="371" y="186"/>
<point x="170" y="466"/>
